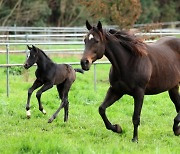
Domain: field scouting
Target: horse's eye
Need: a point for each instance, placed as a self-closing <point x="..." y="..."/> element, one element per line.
<point x="96" y="41"/>
<point x="34" y="55"/>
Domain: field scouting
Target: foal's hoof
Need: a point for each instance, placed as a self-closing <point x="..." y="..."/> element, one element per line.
<point x="177" y="131"/>
<point x="135" y="140"/>
<point x="28" y="114"/>
<point x="118" y="128"/>
<point x="43" y="111"/>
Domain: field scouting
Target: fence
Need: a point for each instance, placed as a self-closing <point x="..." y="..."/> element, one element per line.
<point x="65" y="36"/>
<point x="7" y="65"/>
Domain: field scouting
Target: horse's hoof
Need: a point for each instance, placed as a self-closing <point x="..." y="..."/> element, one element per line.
<point x="43" y="111"/>
<point x="118" y="128"/>
<point x="50" y="120"/>
<point x="135" y="140"/>
<point x="28" y="114"/>
<point x="177" y="131"/>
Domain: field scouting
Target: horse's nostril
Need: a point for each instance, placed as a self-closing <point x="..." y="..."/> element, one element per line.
<point x="86" y="62"/>
<point x="25" y="65"/>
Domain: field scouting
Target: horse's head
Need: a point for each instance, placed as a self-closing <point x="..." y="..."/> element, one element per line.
<point x="94" y="45"/>
<point x="32" y="57"/>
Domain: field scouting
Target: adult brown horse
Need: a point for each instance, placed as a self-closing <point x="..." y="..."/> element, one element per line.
<point x="137" y="69"/>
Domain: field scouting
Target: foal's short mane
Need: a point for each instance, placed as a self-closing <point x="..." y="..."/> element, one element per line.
<point x="130" y="42"/>
<point x="44" y="54"/>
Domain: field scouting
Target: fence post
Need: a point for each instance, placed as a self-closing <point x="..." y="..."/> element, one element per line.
<point x="95" y="77"/>
<point x="26" y="37"/>
<point x="7" y="72"/>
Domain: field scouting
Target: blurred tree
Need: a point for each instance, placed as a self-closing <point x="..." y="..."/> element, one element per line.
<point x="168" y="11"/>
<point x="24" y="13"/>
<point x="74" y="12"/>
<point x="159" y="11"/>
<point x="65" y="12"/>
<point x="150" y="11"/>
<point x="123" y="13"/>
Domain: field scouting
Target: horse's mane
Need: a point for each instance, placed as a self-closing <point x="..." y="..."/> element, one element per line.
<point x="44" y="54"/>
<point x="130" y="42"/>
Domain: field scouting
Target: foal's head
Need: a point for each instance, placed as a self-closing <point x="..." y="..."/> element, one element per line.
<point x="32" y="57"/>
<point x="94" y="45"/>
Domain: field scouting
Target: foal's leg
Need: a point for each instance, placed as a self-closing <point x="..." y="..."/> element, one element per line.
<point x="110" y="98"/>
<point x="45" y="87"/>
<point x="63" y="92"/>
<point x="138" y="102"/>
<point x="60" y="89"/>
<point x="35" y="85"/>
<point x="175" y="97"/>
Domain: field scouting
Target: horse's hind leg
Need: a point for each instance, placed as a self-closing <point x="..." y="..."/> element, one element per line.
<point x="65" y="102"/>
<point x="175" y="97"/>
<point x="110" y="98"/>
<point x="63" y="90"/>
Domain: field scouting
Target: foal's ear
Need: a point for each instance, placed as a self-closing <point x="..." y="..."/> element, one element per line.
<point x="29" y="47"/>
<point x="34" y="48"/>
<point x="99" y="26"/>
<point x="88" y="26"/>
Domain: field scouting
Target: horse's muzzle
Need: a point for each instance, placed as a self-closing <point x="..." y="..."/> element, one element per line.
<point x="85" y="64"/>
<point x="26" y="65"/>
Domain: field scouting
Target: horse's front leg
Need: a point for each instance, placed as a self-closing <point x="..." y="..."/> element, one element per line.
<point x="110" y="98"/>
<point x="138" y="102"/>
<point x="45" y="87"/>
<point x="35" y="85"/>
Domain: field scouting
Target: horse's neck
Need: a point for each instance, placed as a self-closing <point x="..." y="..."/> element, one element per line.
<point x="43" y="61"/>
<point x="117" y="56"/>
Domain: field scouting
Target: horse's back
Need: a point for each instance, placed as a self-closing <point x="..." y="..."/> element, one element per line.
<point x="64" y="72"/>
<point x="165" y="60"/>
<point x="169" y="41"/>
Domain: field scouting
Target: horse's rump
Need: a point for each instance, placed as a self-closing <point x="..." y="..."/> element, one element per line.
<point x="165" y="60"/>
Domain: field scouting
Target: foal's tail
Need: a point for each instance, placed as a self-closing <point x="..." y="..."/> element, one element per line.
<point x="79" y="70"/>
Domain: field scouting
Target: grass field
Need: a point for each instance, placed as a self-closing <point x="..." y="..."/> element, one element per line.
<point x="85" y="131"/>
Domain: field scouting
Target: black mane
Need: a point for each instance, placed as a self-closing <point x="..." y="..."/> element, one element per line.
<point x="43" y="53"/>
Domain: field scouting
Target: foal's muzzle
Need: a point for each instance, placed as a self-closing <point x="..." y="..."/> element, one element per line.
<point x="85" y="64"/>
<point x="26" y="66"/>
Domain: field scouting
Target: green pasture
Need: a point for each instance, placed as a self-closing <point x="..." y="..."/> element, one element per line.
<point x="85" y="132"/>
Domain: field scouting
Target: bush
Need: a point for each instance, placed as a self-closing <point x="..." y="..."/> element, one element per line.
<point x="15" y="70"/>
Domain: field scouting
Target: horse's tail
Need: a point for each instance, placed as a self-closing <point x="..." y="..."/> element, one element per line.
<point x="79" y="70"/>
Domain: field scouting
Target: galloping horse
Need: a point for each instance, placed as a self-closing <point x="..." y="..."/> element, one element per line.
<point x="137" y="69"/>
<point x="48" y="74"/>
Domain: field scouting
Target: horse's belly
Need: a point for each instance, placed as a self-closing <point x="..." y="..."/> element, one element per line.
<point x="162" y="83"/>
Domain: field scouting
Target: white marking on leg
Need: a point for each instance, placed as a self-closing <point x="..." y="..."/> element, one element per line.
<point x="28" y="113"/>
<point x="44" y="112"/>
<point x="91" y="36"/>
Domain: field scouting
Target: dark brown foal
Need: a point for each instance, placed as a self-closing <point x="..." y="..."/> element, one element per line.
<point x="48" y="74"/>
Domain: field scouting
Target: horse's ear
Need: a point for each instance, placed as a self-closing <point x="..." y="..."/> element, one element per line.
<point x="99" y="26"/>
<point x="29" y="47"/>
<point x="34" y="48"/>
<point x="88" y="26"/>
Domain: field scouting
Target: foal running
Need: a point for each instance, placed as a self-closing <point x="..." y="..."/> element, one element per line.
<point x="48" y="74"/>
